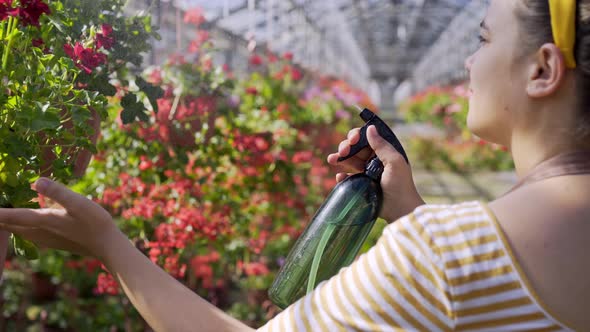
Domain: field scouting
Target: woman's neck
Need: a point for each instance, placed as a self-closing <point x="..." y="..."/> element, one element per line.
<point x="527" y="152"/>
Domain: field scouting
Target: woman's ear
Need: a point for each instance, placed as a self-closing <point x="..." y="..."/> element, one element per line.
<point x="546" y="72"/>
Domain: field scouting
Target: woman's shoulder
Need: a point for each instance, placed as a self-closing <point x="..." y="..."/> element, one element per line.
<point x="481" y="272"/>
<point x="450" y="231"/>
<point x="439" y="221"/>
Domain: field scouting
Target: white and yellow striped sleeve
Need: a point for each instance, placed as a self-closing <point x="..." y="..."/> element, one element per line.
<point x="397" y="285"/>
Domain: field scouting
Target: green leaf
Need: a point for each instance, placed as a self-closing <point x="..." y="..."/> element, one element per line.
<point x="24" y="248"/>
<point x="152" y="92"/>
<point x="45" y="119"/>
<point x="132" y="109"/>
<point x="99" y="83"/>
<point x="9" y="179"/>
<point x="80" y="115"/>
<point x="57" y="24"/>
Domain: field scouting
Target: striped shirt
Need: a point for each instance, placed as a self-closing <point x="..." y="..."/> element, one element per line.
<point x="440" y="268"/>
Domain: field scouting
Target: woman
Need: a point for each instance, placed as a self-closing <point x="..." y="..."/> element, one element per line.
<point x="517" y="263"/>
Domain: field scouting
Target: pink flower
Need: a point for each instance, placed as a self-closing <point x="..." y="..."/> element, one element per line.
<point x="271" y="57"/>
<point x="342" y="114"/>
<point x="251" y="91"/>
<point x="302" y="157"/>
<point x="255" y="60"/>
<point x="200" y="39"/>
<point x="206" y="64"/>
<point x="106" y="284"/>
<point x="155" y="76"/>
<point x="253" y="268"/>
<point x="202" y="36"/>
<point x="194" y="16"/>
<point x="288" y="56"/>
<point x="296" y="74"/>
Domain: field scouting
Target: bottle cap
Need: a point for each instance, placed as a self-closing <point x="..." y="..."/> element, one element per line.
<point x="374" y="169"/>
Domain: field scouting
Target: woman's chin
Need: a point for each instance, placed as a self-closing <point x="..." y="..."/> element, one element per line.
<point x="483" y="130"/>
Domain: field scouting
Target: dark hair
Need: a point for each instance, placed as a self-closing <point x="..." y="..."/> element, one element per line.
<point x="535" y="24"/>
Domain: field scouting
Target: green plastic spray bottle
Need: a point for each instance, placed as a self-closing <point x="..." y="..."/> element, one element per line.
<point x="334" y="236"/>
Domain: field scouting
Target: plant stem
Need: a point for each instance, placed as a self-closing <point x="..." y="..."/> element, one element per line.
<point x="3" y="30"/>
<point x="174" y="107"/>
<point x="12" y="22"/>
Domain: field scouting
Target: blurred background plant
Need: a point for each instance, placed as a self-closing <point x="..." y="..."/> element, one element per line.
<point x="455" y="148"/>
<point x="214" y="187"/>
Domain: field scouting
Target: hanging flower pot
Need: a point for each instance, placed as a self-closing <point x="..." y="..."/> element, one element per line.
<point x="42" y="289"/>
<point x="78" y="158"/>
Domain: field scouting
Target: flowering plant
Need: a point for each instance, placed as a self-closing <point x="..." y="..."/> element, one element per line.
<point x="446" y="108"/>
<point x="214" y="187"/>
<point x="56" y="70"/>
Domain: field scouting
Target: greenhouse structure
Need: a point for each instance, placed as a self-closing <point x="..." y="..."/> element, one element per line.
<point x="390" y="49"/>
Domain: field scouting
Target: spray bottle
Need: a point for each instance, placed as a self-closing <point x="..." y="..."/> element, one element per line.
<point x="335" y="234"/>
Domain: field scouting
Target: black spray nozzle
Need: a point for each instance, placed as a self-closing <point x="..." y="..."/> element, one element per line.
<point x="382" y="128"/>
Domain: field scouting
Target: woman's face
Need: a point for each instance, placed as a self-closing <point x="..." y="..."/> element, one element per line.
<point x="497" y="82"/>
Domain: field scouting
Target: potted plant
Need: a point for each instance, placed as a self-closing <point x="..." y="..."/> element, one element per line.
<point x="57" y="68"/>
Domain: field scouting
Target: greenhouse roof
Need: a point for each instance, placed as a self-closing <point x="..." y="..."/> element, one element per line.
<point x="383" y="39"/>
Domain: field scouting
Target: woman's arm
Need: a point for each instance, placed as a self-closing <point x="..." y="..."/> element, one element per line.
<point x="165" y="303"/>
<point x="83" y="227"/>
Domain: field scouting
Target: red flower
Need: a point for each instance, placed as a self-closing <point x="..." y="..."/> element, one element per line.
<point x="155" y="77"/>
<point x="282" y="108"/>
<point x="200" y="39"/>
<point x="253" y="268"/>
<point x="194" y="16"/>
<point x="251" y="91"/>
<point x="255" y="60"/>
<point x="271" y="57"/>
<point x="106" y="284"/>
<point x="302" y="157"/>
<point x="176" y="59"/>
<point x="202" y="36"/>
<point x="85" y="58"/>
<point x="31" y="10"/>
<point x="288" y="56"/>
<point x="6" y="9"/>
<point x="104" y="39"/>
<point x="193" y="47"/>
<point x="38" y="42"/>
<point x="296" y="74"/>
<point x="206" y="64"/>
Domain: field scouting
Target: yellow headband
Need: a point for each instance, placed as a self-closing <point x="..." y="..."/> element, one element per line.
<point x="563" y="24"/>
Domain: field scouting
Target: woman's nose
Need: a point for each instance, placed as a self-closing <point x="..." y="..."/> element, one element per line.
<point x="469" y="63"/>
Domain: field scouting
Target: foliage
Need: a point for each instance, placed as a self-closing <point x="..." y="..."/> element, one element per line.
<point x="57" y="65"/>
<point x="459" y="150"/>
<point x="214" y="187"/>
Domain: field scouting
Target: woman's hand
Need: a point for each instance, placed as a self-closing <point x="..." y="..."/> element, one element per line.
<point x="400" y="196"/>
<point x="81" y="227"/>
<point x="84" y="227"/>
